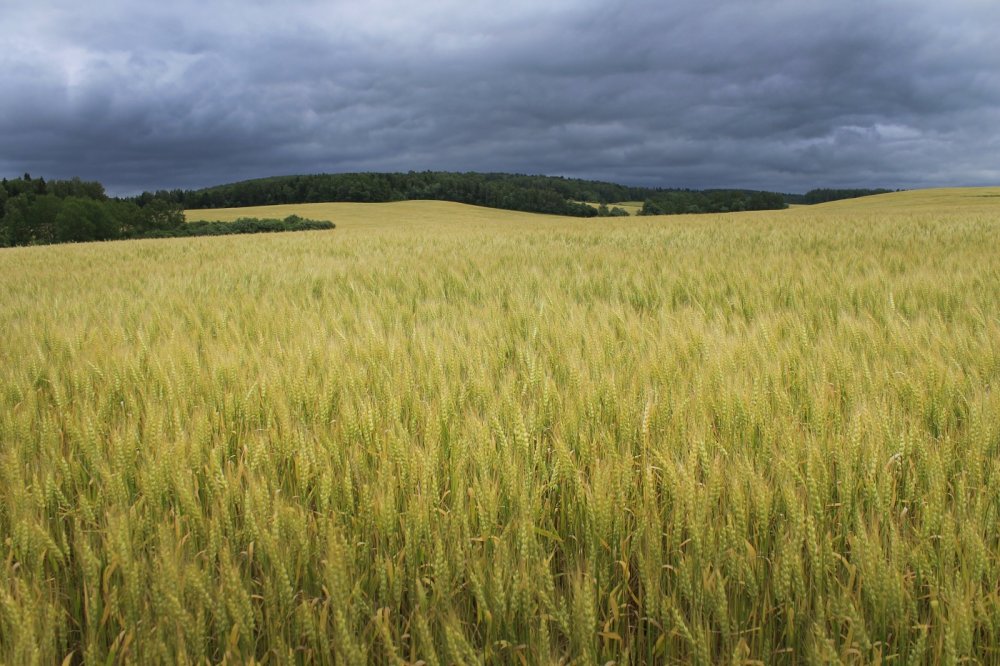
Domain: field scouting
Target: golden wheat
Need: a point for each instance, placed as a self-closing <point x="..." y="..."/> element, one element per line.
<point x="456" y="435"/>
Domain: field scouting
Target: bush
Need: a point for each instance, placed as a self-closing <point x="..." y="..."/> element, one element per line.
<point x="243" y="225"/>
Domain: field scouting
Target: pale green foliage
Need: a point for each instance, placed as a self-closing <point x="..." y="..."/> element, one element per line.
<point x="721" y="439"/>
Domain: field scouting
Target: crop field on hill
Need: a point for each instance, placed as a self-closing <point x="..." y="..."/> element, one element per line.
<point x="631" y="207"/>
<point x="455" y="435"/>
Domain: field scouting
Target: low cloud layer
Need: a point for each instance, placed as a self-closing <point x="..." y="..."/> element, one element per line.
<point x="772" y="94"/>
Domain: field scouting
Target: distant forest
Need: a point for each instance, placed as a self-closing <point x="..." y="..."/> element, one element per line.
<point x="534" y="194"/>
<point x="679" y="202"/>
<point x="35" y="211"/>
<point x="824" y="195"/>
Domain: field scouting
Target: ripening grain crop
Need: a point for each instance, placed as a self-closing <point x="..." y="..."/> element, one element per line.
<point x="454" y="435"/>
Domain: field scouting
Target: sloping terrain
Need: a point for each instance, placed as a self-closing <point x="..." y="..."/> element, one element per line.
<point x="943" y="199"/>
<point x="450" y="434"/>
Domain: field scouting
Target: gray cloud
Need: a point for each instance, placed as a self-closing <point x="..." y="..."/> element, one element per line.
<point x="775" y="94"/>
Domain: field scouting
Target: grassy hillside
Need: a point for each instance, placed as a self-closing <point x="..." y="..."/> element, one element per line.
<point x="986" y="199"/>
<point x="456" y="435"/>
<point x="392" y="216"/>
<point x="389" y="215"/>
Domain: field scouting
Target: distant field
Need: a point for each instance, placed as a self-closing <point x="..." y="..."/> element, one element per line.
<point x="633" y="207"/>
<point x="956" y="198"/>
<point x="455" y="435"/>
<point x="387" y="215"/>
<point x="409" y="215"/>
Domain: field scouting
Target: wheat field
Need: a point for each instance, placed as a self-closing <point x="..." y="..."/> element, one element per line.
<point x="453" y="435"/>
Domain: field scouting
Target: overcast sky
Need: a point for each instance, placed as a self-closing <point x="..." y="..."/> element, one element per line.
<point x="772" y="94"/>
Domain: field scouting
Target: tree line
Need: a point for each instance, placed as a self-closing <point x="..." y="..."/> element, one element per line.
<point x="536" y="194"/>
<point x="540" y="194"/>
<point x="34" y="211"/>
<point x="823" y="195"/>
<point x="674" y="202"/>
<point x="243" y="225"/>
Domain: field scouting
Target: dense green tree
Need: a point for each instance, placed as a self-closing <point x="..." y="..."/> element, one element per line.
<point x="83" y="220"/>
<point x="615" y="211"/>
<point x="161" y="215"/>
<point x="30" y="219"/>
<point x="127" y="216"/>
<point x="650" y="207"/>
<point x="14" y="223"/>
<point x="75" y="187"/>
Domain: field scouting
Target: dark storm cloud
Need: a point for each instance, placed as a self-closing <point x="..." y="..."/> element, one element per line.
<point x="782" y="94"/>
